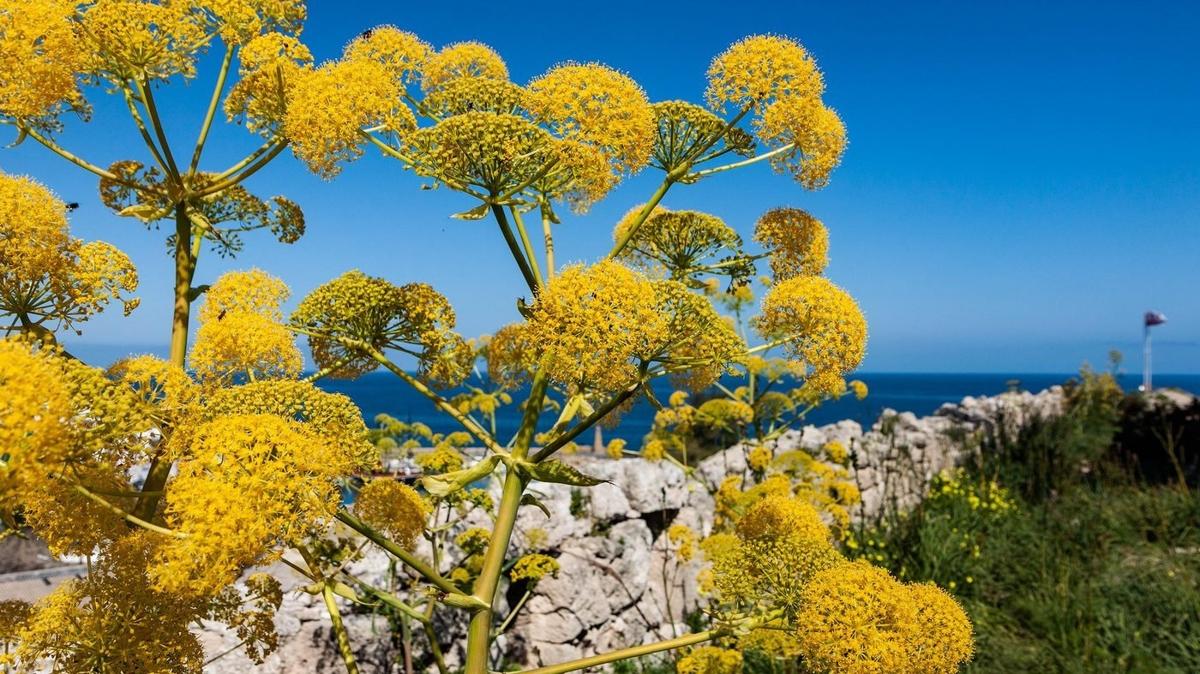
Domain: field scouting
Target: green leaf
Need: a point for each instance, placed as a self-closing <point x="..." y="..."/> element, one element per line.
<point x="558" y="473"/>
<point x="448" y="483"/>
<point x="478" y="213"/>
<point x="530" y="499"/>
<point x="22" y="134"/>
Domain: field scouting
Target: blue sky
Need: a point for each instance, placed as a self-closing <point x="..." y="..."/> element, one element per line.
<point x="1022" y="180"/>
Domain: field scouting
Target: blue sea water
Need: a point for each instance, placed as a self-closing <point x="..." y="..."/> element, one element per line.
<point x="921" y="394"/>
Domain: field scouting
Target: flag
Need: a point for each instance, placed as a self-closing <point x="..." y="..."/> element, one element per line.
<point x="1154" y="318"/>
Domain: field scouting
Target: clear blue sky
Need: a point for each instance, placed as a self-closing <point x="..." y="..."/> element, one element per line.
<point x="1022" y="180"/>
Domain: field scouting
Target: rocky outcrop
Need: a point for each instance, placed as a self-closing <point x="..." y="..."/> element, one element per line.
<point x="619" y="584"/>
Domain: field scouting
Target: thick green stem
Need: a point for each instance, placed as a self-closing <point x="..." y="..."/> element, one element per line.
<point x="148" y="99"/>
<point x="549" y="237"/>
<point x="479" y="632"/>
<point x="642" y="215"/>
<point x="515" y="247"/>
<point x="339" y="629"/>
<point x="629" y="653"/>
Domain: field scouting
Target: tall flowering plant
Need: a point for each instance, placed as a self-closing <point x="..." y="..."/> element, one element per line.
<point x="245" y="455"/>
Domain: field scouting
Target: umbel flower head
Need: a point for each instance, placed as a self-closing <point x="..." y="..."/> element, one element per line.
<point x="241" y="333"/>
<point x="394" y="508"/>
<point x="856" y="619"/>
<point x="401" y="52"/>
<point x="820" y="326"/>
<point x="599" y="106"/>
<point x="41" y="54"/>
<point x="685" y="129"/>
<point x="760" y="70"/>
<point x="459" y="61"/>
<point x="46" y="276"/>
<point x="815" y="132"/>
<point x="683" y="244"/>
<point x="798" y="242"/>
<point x="351" y="315"/>
<point x="493" y="151"/>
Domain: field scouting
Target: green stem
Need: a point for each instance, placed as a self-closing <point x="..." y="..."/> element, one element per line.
<point x="630" y="653"/>
<point x="515" y="247"/>
<point x="479" y="632"/>
<point x="549" y="237"/>
<point x="642" y="215"/>
<point x="771" y="345"/>
<point x="591" y="420"/>
<point x="412" y="561"/>
<point x="739" y="164"/>
<point x="212" y="109"/>
<point x="128" y="517"/>
<point x="343" y="638"/>
<point x="148" y="99"/>
<point x="228" y="182"/>
<point x="512" y="614"/>
<point x="141" y="125"/>
<point x="530" y="256"/>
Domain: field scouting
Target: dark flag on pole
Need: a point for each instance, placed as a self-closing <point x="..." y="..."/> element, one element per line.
<point x="1155" y="318"/>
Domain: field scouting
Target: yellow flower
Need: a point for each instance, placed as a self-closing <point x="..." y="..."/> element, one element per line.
<point x="393" y="508"/>
<point x="498" y="152"/>
<point x="684" y="129"/>
<point x="373" y="313"/>
<point x="821" y="325"/>
<point x="581" y="175"/>
<point x="710" y="660"/>
<point x="45" y="275"/>
<point x="239" y="21"/>
<point x="722" y="415"/>
<point x="699" y="344"/>
<point x="511" y="356"/>
<point x="599" y="106"/>
<point x="474" y="540"/>
<point x="331" y="415"/>
<point x="533" y="567"/>
<point x="240" y="332"/>
<point x="113" y="619"/>
<point x="836" y="451"/>
<point x="269" y="66"/>
<point x="679" y="243"/>
<point x="443" y="459"/>
<point x="684" y="539"/>
<point x="462" y="59"/>
<point x="615" y="448"/>
<point x="816" y="133"/>
<point x="483" y="94"/>
<point x="798" y="242"/>
<point x="328" y="107"/>
<point x="248" y="484"/>
<point x="594" y="323"/>
<point x="859" y="388"/>
<point x="943" y="640"/>
<point x="855" y="618"/>
<point x="138" y="39"/>
<point x="41" y="53"/>
<point x="759" y="458"/>
<point x="654" y="450"/>
<point x="401" y="52"/>
<point x="760" y="69"/>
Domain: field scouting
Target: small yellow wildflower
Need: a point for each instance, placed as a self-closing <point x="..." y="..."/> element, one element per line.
<point x="759" y="458"/>
<point x="710" y="660"/>
<point x="616" y="448"/>
<point x="684" y="539"/>
<point x="394" y="508"/>
<point x="533" y="567"/>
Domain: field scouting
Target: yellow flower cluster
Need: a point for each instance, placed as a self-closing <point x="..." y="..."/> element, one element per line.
<point x="143" y="40"/>
<point x="241" y="333"/>
<point x="798" y="242"/>
<point x="511" y="356"/>
<point x="269" y="65"/>
<point x="45" y="274"/>
<point x="113" y="620"/>
<point x="859" y="389"/>
<point x="684" y="129"/>
<point x="393" y="508"/>
<point x="615" y="448"/>
<point x="593" y="325"/>
<point x="354" y="313"/>
<point x="496" y="152"/>
<point x="816" y="133"/>
<point x="759" y="458"/>
<point x="474" y="540"/>
<point x="710" y="660"/>
<point x="240" y="21"/>
<point x="328" y="107"/>
<point x="598" y="106"/>
<point x="678" y="244"/>
<point x="533" y="567"/>
<point x="855" y="618"/>
<point x="461" y="60"/>
<point x="780" y="544"/>
<point x="761" y="69"/>
<point x="721" y="416"/>
<point x="685" y="541"/>
<point x="41" y="52"/>
<point x="820" y="325"/>
<point x="482" y="94"/>
<point x="400" y="52"/>
<point x="249" y="482"/>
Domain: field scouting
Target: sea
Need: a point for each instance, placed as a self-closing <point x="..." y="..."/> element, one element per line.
<point x="919" y="393"/>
